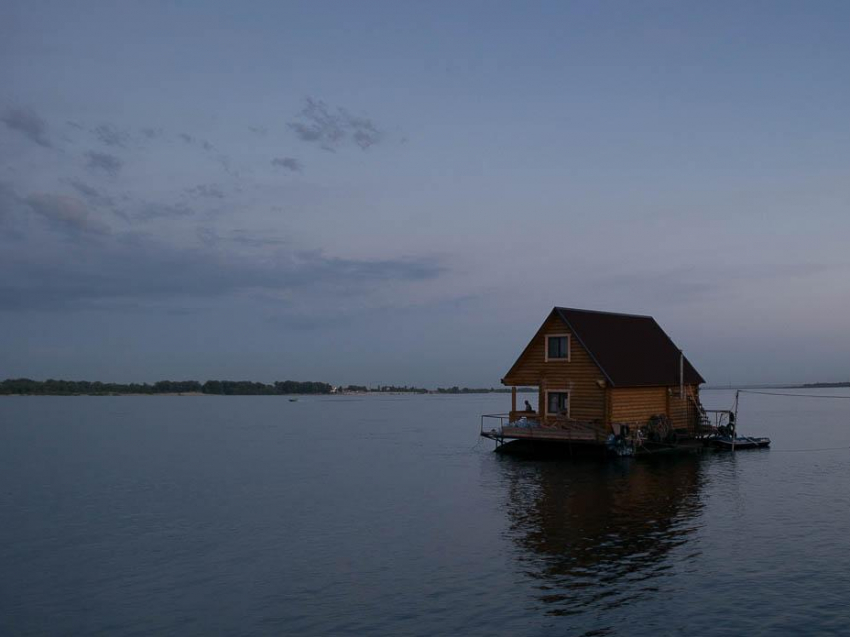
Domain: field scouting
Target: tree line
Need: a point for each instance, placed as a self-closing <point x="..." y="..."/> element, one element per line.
<point x="405" y="389"/>
<point x="53" y="387"/>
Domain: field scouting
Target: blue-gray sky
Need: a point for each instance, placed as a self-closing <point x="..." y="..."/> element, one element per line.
<point x="399" y="192"/>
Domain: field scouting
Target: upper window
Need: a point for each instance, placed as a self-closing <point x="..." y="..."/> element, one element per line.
<point x="558" y="347"/>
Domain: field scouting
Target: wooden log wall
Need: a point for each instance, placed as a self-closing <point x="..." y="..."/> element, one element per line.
<point x="682" y="413"/>
<point x="637" y="404"/>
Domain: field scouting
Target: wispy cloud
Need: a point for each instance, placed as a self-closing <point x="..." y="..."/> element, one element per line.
<point x="289" y="163"/>
<point x="91" y="194"/>
<point x="65" y="213"/>
<point x="8" y="200"/>
<point x="111" y="136"/>
<point x="151" y="210"/>
<point x="332" y="128"/>
<point x="27" y="122"/>
<point x="151" y="133"/>
<point x="226" y="163"/>
<point x="105" y="162"/>
<point x="252" y="240"/>
<point x="138" y="269"/>
<point x="209" y="237"/>
<point x="207" y="191"/>
<point x="194" y="141"/>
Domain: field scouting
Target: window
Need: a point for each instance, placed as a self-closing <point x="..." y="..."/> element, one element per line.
<point x="558" y="347"/>
<point x="557" y="403"/>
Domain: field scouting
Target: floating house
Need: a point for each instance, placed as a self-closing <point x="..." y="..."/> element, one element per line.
<point x="602" y="378"/>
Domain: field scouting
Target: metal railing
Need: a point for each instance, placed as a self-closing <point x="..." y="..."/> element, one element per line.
<point x="719" y="416"/>
<point x="495" y="423"/>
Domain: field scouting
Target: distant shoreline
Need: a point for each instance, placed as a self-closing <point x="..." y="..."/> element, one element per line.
<point x="196" y="393"/>
<point x="331" y="395"/>
<point x="289" y="388"/>
<point x="53" y="387"/>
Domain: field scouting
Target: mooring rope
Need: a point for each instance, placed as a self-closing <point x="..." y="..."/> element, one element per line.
<point x="809" y="450"/>
<point x="771" y="393"/>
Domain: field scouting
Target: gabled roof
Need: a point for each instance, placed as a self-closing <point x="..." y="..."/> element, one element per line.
<point x="630" y="350"/>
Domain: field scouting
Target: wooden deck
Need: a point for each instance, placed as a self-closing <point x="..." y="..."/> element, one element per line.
<point x="563" y="430"/>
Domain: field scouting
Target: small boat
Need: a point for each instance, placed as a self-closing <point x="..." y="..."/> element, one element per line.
<point x="741" y="442"/>
<point x="293" y="400"/>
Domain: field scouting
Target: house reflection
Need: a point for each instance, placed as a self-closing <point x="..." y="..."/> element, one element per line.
<point x="596" y="536"/>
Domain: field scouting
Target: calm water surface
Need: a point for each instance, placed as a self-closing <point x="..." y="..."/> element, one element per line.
<point x="387" y="516"/>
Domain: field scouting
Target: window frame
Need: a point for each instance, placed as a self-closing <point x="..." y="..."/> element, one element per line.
<point x="566" y="359"/>
<point x="557" y="391"/>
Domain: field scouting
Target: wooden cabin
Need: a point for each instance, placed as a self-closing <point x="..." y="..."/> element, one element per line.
<point x="602" y="373"/>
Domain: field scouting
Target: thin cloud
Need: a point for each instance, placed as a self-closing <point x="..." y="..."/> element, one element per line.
<point x="65" y="213"/>
<point x="138" y="269"/>
<point x="289" y="163"/>
<point x="110" y="164"/>
<point x="191" y="140"/>
<point x="207" y="191"/>
<point x="333" y="128"/>
<point x="91" y="194"/>
<point x="111" y="136"/>
<point x="85" y="190"/>
<point x="225" y="162"/>
<point x="8" y="200"/>
<point x="150" y="210"/>
<point x="209" y="237"/>
<point x="245" y="238"/>
<point x="27" y="122"/>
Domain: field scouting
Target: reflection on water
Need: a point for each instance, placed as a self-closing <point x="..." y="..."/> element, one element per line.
<point x="597" y="536"/>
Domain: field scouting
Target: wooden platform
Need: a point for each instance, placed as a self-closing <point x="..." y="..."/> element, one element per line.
<point x="570" y="431"/>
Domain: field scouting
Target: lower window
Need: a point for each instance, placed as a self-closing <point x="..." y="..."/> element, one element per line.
<point x="558" y="403"/>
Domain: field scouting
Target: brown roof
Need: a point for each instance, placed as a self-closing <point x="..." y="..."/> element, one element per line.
<point x="629" y="349"/>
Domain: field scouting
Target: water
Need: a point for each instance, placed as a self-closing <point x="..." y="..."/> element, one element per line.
<point x="387" y="516"/>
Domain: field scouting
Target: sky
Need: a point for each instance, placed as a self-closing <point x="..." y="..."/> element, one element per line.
<point x="399" y="192"/>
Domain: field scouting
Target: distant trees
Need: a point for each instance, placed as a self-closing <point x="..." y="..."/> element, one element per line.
<point x="481" y="390"/>
<point x="176" y="387"/>
<point x="53" y="387"/>
<point x="237" y="388"/>
<point x="403" y="389"/>
<point x="295" y="387"/>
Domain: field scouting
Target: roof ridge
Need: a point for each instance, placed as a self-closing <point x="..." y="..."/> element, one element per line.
<point x="578" y="309"/>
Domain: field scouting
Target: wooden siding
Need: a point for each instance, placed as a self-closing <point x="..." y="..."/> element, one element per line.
<point x="682" y="413"/>
<point x="580" y="375"/>
<point x="637" y="404"/>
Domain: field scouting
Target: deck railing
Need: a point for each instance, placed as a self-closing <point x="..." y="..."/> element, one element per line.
<point x="494" y="423"/>
<point x="713" y="420"/>
<point x="517" y="424"/>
